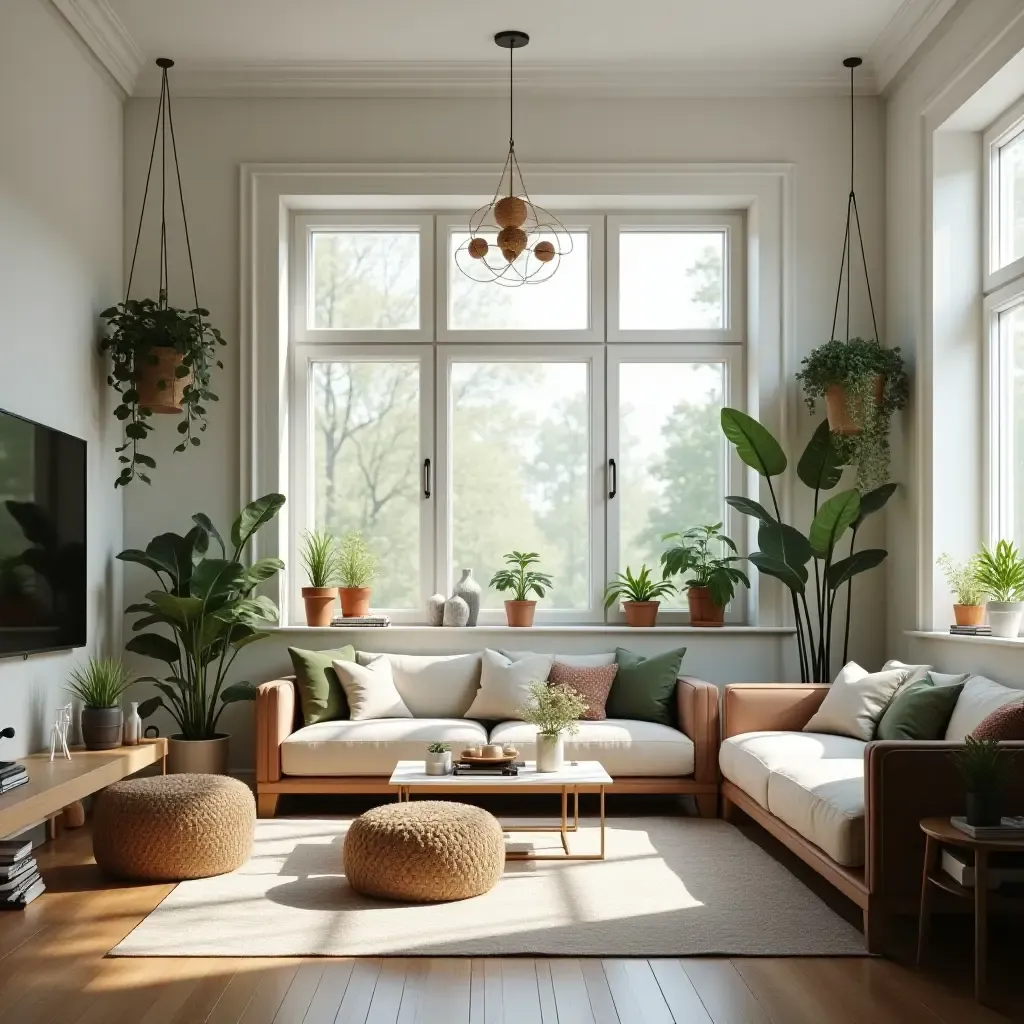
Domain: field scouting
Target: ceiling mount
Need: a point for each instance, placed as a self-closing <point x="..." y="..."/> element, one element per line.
<point x="164" y="62"/>
<point x="853" y="62"/>
<point x="511" y="39"/>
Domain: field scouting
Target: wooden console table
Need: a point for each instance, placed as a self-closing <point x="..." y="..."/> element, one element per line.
<point x="53" y="785"/>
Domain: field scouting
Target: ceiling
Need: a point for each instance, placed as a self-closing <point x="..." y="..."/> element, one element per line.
<point x="390" y="45"/>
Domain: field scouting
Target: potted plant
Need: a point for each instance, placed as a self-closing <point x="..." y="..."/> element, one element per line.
<point x="985" y="770"/>
<point x="208" y="607"/>
<point x="863" y="383"/>
<point x="555" y="710"/>
<point x="639" y="595"/>
<point x="1000" y="575"/>
<point x="962" y="578"/>
<point x="161" y="358"/>
<point x="99" y="685"/>
<point x="319" y="555"/>
<point x="439" y="759"/>
<point x="712" y="581"/>
<point x="522" y="581"/>
<point x="357" y="569"/>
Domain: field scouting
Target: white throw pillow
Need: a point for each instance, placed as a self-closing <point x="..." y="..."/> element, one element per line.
<point x="978" y="699"/>
<point x="916" y="672"/>
<point x="370" y="690"/>
<point x="433" y="685"/>
<point x="856" y="701"/>
<point x="574" y="660"/>
<point x="505" y="685"/>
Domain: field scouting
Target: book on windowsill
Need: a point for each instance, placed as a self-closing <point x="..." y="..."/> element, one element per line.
<point x="1009" y="828"/>
<point x="971" y="630"/>
<point x="24" y="898"/>
<point x="361" y="620"/>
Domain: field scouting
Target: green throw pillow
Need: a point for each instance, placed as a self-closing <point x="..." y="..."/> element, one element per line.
<point x="921" y="710"/>
<point x="644" y="687"/>
<point x="320" y="692"/>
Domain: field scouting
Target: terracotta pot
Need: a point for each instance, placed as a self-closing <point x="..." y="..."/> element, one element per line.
<point x="969" y="614"/>
<point x="703" y="610"/>
<point x="197" y="757"/>
<point x="520" y="613"/>
<point x="840" y="420"/>
<point x="167" y="398"/>
<point x="641" y="613"/>
<point x="101" y="728"/>
<point x="319" y="602"/>
<point x="355" y="601"/>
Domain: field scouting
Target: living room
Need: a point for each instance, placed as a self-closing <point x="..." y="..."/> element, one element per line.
<point x="511" y="514"/>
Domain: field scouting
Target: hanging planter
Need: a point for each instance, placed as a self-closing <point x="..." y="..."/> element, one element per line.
<point x="161" y="356"/>
<point x="846" y="411"/>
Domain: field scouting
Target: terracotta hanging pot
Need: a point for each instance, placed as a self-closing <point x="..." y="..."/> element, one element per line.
<point x="703" y="610"/>
<point x="319" y="602"/>
<point x="641" y="613"/>
<point x="152" y="396"/>
<point x="842" y="419"/>
<point x="355" y="601"/>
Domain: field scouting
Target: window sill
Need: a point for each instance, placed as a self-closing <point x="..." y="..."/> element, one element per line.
<point x="988" y="641"/>
<point x="548" y="629"/>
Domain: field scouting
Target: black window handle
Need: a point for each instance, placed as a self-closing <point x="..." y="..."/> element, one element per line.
<point x="426" y="478"/>
<point x="613" y="473"/>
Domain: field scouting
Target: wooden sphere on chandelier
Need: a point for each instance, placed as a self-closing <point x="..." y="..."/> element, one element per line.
<point x="477" y="248"/>
<point x="510" y="212"/>
<point x="512" y="241"/>
<point x="544" y="251"/>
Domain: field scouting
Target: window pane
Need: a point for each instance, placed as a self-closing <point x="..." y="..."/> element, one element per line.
<point x="671" y="280"/>
<point x="365" y="280"/>
<point x="1011" y="331"/>
<point x="366" y="452"/>
<point x="672" y="455"/>
<point x="1011" y="200"/>
<point x="560" y="303"/>
<point x="520" y="472"/>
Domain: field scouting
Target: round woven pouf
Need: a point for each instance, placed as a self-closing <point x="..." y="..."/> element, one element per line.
<point x="427" y="851"/>
<point x="168" y="828"/>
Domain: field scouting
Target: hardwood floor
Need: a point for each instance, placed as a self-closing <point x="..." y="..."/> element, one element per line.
<point x="53" y="969"/>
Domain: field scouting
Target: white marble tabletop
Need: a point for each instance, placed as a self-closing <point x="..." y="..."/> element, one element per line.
<point x="578" y="773"/>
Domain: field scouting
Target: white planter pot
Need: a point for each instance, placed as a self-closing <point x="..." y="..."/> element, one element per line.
<point x="550" y="752"/>
<point x="439" y="764"/>
<point x="1004" y="617"/>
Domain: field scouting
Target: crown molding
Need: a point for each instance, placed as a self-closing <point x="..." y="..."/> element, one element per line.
<point x="102" y="31"/>
<point x="908" y="28"/>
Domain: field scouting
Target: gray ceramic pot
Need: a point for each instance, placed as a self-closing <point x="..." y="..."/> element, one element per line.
<point x="101" y="728"/>
<point x="197" y="757"/>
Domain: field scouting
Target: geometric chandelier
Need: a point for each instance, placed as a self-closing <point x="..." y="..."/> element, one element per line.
<point x="512" y="241"/>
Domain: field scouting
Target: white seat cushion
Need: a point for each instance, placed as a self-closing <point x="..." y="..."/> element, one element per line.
<point x="432" y="686"/>
<point x="624" y="748"/>
<point x="371" y="747"/>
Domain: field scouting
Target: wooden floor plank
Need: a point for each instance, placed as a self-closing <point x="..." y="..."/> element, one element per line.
<point x="206" y="994"/>
<point x="387" y="993"/>
<point x="677" y="990"/>
<point x="520" y="997"/>
<point x="724" y="993"/>
<point x="413" y="991"/>
<point x="791" y="995"/>
<point x="269" y="996"/>
<point x="493" y="1013"/>
<point x="300" y="993"/>
<point x="359" y="993"/>
<point x="329" y="992"/>
<point x="446" y="993"/>
<point x="601" y="1003"/>
<point x="572" y="1003"/>
<point x="237" y="995"/>
<point x="476" y="990"/>
<point x="635" y="991"/>
<point x="546" y="992"/>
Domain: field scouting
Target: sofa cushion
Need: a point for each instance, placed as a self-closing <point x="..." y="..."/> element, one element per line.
<point x="505" y="685"/>
<point x="921" y="710"/>
<point x="643" y="687"/>
<point x="857" y="700"/>
<point x="372" y="747"/>
<point x="370" y="690"/>
<point x="433" y="686"/>
<point x="320" y="694"/>
<point x="980" y="697"/>
<point x="1005" y="724"/>
<point x="625" y="747"/>
<point x="591" y="682"/>
<point x="575" y="660"/>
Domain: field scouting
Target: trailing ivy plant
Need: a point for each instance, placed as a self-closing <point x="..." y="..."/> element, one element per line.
<point x="137" y="328"/>
<point x="854" y="365"/>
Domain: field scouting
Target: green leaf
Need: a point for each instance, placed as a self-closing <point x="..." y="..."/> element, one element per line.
<point x="216" y="578"/>
<point x="204" y="522"/>
<point x="860" y="561"/>
<point x="175" y="553"/>
<point x="794" y="577"/>
<point x="152" y="645"/>
<point x="253" y="516"/>
<point x="263" y="569"/>
<point x="833" y="519"/>
<point x="754" y="443"/>
<point x="148" y="707"/>
<point x="238" y="691"/>
<point x="180" y="610"/>
<point x="749" y="507"/>
<point x="250" y="638"/>
<point x="134" y="555"/>
<point x="784" y="542"/>
<point x="819" y="466"/>
<point x="873" y="501"/>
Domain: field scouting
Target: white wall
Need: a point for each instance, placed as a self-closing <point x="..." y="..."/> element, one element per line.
<point x="60" y="249"/>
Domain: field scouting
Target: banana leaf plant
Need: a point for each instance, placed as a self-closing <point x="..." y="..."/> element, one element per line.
<point x="787" y="554"/>
<point x="207" y="607"/>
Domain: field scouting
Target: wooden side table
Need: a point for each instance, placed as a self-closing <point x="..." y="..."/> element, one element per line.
<point x="941" y="832"/>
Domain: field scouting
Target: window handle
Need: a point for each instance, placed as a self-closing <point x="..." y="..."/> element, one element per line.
<point x="426" y="478"/>
<point x="613" y="476"/>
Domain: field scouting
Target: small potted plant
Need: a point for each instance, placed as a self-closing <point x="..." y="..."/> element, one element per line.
<point x="712" y="581"/>
<point x="985" y="770"/>
<point x="99" y="685"/>
<point x="639" y="595"/>
<point x="1000" y="576"/>
<point x="439" y="759"/>
<point x="962" y="578"/>
<point x="319" y="554"/>
<point x="357" y="569"/>
<point x="522" y="581"/>
<point x="555" y="711"/>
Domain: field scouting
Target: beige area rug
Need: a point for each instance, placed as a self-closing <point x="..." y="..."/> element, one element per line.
<point x="669" y="887"/>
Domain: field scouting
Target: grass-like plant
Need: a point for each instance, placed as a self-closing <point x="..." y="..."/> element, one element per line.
<point x="1000" y="572"/>
<point x="100" y="683"/>
<point x="962" y="578"/>
<point x="439" y="748"/>
<point x="641" y="587"/>
<point x="319" y="554"/>
<point x="553" y="709"/>
<point x="520" y="579"/>
<point x="982" y="765"/>
<point x="357" y="564"/>
<point x="693" y="555"/>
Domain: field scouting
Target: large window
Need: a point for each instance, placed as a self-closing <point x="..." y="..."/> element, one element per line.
<point x="451" y="421"/>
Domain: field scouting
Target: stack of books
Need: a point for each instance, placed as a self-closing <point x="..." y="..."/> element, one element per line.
<point x="1008" y="828"/>
<point x="489" y="771"/>
<point x="20" y="881"/>
<point x="971" y="630"/>
<point x="12" y="775"/>
<point x="1005" y="870"/>
<point x="361" y="620"/>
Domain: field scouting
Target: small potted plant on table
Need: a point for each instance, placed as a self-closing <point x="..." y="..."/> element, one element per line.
<point x="962" y="577"/>
<point x="712" y="580"/>
<point x="985" y="770"/>
<point x="439" y="759"/>
<point x="100" y="686"/>
<point x="522" y="581"/>
<point x="357" y="569"/>
<point x="1000" y="575"/>
<point x="555" y="710"/>
<point x="639" y="595"/>
<point x="319" y="554"/>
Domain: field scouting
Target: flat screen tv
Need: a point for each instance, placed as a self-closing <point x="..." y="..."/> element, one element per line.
<point x="42" y="538"/>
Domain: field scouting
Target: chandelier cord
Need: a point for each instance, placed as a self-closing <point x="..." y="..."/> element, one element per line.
<point x="511" y="109"/>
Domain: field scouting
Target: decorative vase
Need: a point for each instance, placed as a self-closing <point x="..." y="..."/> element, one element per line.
<point x="197" y="757"/>
<point x="101" y="728"/>
<point x="641" y="613"/>
<point x="703" y="610"/>
<point x="152" y="396"/>
<point x="435" y="610"/>
<point x="550" y="752"/>
<point x="456" y="612"/>
<point x="132" y="726"/>
<point x="969" y="614"/>
<point x="842" y="418"/>
<point x="319" y="602"/>
<point x="439" y="764"/>
<point x="983" y="809"/>
<point x="469" y="590"/>
<point x="520" y="613"/>
<point x="1004" y="617"/>
<point x="355" y="601"/>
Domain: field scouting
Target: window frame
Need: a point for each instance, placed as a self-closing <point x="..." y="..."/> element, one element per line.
<point x="1003" y="131"/>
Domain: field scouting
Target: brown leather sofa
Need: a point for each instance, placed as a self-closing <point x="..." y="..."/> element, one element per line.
<point x="903" y="782"/>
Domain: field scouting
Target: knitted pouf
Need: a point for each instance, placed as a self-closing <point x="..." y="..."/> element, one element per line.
<point x="425" y="851"/>
<point x="167" y="828"/>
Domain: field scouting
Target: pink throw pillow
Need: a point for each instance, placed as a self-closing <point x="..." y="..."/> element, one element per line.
<point x="592" y="683"/>
<point x="1005" y="723"/>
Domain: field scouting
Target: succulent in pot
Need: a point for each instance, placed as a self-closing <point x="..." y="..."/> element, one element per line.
<point x="710" y="581"/>
<point x="639" y="595"/>
<point x="357" y="569"/>
<point x="99" y="685"/>
<point x="985" y="770"/>
<point x="1000" y="576"/>
<point x="962" y="578"/>
<point x="439" y="759"/>
<point x="319" y="556"/>
<point x="555" y="711"/>
<point x="521" y="581"/>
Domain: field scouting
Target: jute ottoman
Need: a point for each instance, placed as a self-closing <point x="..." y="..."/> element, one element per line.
<point x="168" y="828"/>
<point x="427" y="851"/>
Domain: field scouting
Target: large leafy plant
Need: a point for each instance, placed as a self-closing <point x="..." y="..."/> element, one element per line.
<point x="1000" y="572"/>
<point x="520" y="578"/>
<point x="692" y="554"/>
<point x="785" y="552"/>
<point x="207" y="606"/>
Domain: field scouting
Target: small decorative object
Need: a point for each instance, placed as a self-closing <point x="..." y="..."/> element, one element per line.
<point x="509" y="750"/>
<point x="59" y="733"/>
<point x="100" y="686"/>
<point x="456" y="612"/>
<point x="712" y="581"/>
<point x="74" y="815"/>
<point x="639" y="595"/>
<point x="319" y="554"/>
<point x="522" y="581"/>
<point x="999" y="574"/>
<point x="132" y="726"/>
<point x="435" y="610"/>
<point x="985" y="770"/>
<point x="529" y="242"/>
<point x="439" y="759"/>
<point x="473" y="751"/>
<point x="962" y="578"/>
<point x="555" y="710"/>
<point x="357" y="569"/>
<point x="469" y="590"/>
<point x="494" y="750"/>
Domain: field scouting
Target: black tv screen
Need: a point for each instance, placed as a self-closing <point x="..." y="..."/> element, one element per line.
<point x="42" y="538"/>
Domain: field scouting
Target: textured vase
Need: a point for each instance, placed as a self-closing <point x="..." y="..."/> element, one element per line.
<point x="101" y="728"/>
<point x="456" y="612"/>
<point x="469" y="590"/>
<point x="435" y="610"/>
<point x="132" y="726"/>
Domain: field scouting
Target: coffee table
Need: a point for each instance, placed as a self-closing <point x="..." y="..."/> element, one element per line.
<point x="411" y="776"/>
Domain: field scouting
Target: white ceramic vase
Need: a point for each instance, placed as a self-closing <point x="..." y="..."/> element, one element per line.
<point x="1004" y="617"/>
<point x="456" y="612"/>
<point x="439" y="764"/>
<point x="132" y="726"/>
<point x="435" y="610"/>
<point x="469" y="590"/>
<point x="550" y="752"/>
